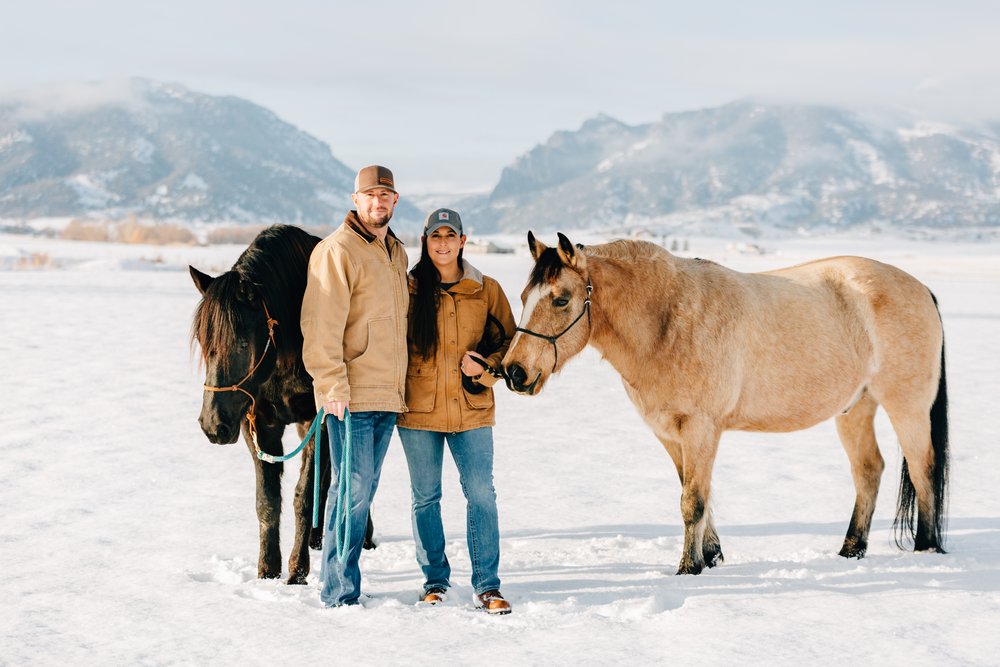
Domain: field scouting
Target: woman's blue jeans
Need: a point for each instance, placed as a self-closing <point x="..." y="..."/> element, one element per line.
<point x="473" y="454"/>
<point x="370" y="434"/>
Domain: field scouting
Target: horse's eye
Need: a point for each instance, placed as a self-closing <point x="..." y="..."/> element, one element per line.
<point x="559" y="302"/>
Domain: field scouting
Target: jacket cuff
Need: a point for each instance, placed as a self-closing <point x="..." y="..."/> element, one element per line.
<point x="329" y="396"/>
<point x="486" y="380"/>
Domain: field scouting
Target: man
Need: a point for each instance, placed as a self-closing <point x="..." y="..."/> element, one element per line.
<point x="354" y="347"/>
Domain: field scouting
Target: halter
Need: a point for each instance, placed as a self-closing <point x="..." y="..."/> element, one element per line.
<point x="251" y="415"/>
<point x="553" y="339"/>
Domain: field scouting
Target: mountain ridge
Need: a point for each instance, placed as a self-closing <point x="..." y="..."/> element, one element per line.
<point x="164" y="152"/>
<point x="752" y="167"/>
<point x="161" y="151"/>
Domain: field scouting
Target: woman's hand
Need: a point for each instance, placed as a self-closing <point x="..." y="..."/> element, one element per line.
<point x="469" y="366"/>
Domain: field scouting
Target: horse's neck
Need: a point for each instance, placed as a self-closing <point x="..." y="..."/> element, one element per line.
<point x="621" y="304"/>
<point x="633" y="311"/>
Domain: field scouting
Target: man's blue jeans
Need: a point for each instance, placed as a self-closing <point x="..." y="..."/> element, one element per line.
<point x="473" y="454"/>
<point x="370" y="433"/>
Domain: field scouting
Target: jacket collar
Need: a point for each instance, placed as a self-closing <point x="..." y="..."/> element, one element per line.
<point x="355" y="224"/>
<point x="470" y="282"/>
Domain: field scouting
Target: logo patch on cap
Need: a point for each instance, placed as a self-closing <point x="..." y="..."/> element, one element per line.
<point x="385" y="180"/>
<point x="443" y="215"/>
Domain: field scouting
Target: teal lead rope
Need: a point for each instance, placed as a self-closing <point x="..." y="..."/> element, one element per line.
<point x="342" y="510"/>
<point x="342" y="513"/>
<point x="314" y="432"/>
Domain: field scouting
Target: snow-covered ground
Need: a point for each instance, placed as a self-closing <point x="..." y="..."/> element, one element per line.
<point x="128" y="539"/>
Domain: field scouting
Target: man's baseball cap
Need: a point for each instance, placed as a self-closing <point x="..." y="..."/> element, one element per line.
<point x="443" y="217"/>
<point x="374" y="176"/>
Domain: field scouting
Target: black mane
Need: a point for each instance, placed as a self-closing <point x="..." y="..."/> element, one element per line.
<point x="272" y="271"/>
<point x="547" y="267"/>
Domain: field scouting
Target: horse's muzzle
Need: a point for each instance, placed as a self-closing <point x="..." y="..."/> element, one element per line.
<point x="516" y="377"/>
<point x="220" y="434"/>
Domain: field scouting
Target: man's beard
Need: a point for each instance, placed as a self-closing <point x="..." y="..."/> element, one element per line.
<point x="375" y="224"/>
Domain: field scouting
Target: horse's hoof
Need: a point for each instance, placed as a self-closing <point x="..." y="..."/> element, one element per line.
<point x="922" y="544"/>
<point x="297" y="579"/>
<point x="711" y="560"/>
<point x="930" y="550"/>
<point x="370" y="544"/>
<point x="316" y="543"/>
<point x="689" y="569"/>
<point x="268" y="574"/>
<point x="854" y="549"/>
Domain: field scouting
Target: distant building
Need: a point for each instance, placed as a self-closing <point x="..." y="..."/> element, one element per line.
<point x="475" y="248"/>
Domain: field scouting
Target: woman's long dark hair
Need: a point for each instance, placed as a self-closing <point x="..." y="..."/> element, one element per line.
<point x="424" y="331"/>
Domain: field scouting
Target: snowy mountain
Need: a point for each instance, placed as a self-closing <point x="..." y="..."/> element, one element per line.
<point x="755" y="168"/>
<point x="164" y="152"/>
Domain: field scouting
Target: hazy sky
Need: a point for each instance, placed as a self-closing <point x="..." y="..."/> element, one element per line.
<point x="448" y="93"/>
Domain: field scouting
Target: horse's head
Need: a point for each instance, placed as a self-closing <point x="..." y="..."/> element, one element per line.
<point x="233" y="330"/>
<point x="555" y="321"/>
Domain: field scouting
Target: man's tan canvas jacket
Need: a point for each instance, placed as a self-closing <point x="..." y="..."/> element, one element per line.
<point x="354" y="319"/>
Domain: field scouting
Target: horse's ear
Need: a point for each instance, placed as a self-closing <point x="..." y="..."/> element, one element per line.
<point x="570" y="254"/>
<point x="201" y="280"/>
<point x="535" y="246"/>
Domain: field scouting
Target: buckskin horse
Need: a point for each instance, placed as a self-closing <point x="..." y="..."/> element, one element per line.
<point x="702" y="349"/>
<point x="247" y="328"/>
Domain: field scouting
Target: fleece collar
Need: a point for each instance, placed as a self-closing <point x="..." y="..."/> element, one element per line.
<point x="470" y="282"/>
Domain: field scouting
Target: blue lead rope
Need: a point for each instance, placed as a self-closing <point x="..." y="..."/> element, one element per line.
<point x="313" y="429"/>
<point x="314" y="432"/>
<point x="342" y="510"/>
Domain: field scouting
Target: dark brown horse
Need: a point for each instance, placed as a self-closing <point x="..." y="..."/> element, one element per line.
<point x="703" y="349"/>
<point x="247" y="327"/>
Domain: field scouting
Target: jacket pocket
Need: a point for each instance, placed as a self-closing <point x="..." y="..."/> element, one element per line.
<point x="421" y="387"/>
<point x="375" y="367"/>
<point x="472" y="316"/>
<point x="479" y="401"/>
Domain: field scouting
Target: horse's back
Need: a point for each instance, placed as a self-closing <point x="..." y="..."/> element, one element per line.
<point x="896" y="312"/>
<point x="816" y="335"/>
<point x="884" y="295"/>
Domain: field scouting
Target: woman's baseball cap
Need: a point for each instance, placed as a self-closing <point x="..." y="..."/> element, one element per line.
<point x="443" y="217"/>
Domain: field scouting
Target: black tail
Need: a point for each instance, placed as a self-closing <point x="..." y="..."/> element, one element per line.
<point x="903" y="525"/>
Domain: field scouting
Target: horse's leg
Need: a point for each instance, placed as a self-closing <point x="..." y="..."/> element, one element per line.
<point x="912" y="387"/>
<point x="268" y="499"/>
<point x="857" y="434"/>
<point x="298" y="561"/>
<point x="369" y="542"/>
<point x="914" y="433"/>
<point x="711" y="547"/>
<point x="699" y="444"/>
<point x="711" y="550"/>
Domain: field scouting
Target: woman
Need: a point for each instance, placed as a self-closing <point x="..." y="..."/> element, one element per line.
<point x="460" y="327"/>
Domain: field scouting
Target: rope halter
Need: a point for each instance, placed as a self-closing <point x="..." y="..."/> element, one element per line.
<point x="251" y="414"/>
<point x="553" y="339"/>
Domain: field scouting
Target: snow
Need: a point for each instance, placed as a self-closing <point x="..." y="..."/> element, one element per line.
<point x="11" y="138"/>
<point x="924" y="129"/>
<point x="194" y="182"/>
<point x="868" y="158"/>
<point x="91" y="191"/>
<point x="143" y="150"/>
<point x="129" y="539"/>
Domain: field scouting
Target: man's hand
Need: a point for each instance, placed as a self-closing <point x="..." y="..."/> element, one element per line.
<point x="335" y="408"/>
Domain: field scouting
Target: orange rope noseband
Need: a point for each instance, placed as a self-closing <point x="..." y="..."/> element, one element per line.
<point x="251" y="415"/>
